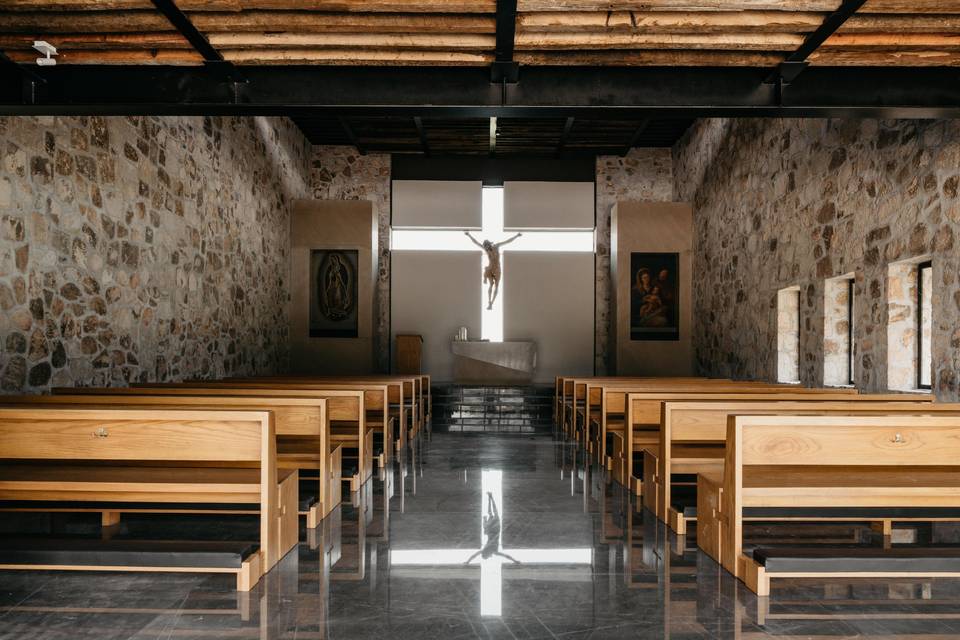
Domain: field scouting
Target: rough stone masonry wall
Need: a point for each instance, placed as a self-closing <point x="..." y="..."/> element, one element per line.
<point x="341" y="173"/>
<point x="793" y="202"/>
<point x="144" y="248"/>
<point x="643" y="174"/>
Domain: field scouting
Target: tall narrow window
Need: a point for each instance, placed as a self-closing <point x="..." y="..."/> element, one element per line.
<point x="839" y="363"/>
<point x="910" y="325"/>
<point x="924" y="324"/>
<point x="851" y="325"/>
<point x="788" y="335"/>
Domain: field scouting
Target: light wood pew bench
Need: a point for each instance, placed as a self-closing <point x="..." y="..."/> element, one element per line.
<point x="345" y="409"/>
<point x="643" y="409"/>
<point x="302" y="426"/>
<point x="387" y="412"/>
<point x="692" y="439"/>
<point x="172" y="458"/>
<point x="835" y="468"/>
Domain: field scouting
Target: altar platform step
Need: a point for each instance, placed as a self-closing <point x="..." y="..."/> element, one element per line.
<point x="500" y="409"/>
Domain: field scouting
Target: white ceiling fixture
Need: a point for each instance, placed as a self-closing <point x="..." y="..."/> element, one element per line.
<point x="47" y="50"/>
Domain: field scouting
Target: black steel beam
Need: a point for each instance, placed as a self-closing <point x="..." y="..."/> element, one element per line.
<point x="351" y="136"/>
<point x="422" y="132"/>
<point x="632" y="142"/>
<point x="504" y="68"/>
<point x="183" y="24"/>
<point x="796" y="62"/>
<point x="457" y="92"/>
<point x="567" y="126"/>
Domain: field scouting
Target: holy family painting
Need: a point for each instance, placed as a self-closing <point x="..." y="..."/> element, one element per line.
<point x="654" y="296"/>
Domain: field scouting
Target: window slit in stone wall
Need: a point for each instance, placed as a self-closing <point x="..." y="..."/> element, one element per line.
<point x="924" y="324"/>
<point x="909" y="325"/>
<point x="839" y="358"/>
<point x="788" y="335"/>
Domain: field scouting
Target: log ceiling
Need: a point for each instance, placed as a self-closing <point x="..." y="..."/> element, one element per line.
<point x="599" y="41"/>
<point x="464" y="32"/>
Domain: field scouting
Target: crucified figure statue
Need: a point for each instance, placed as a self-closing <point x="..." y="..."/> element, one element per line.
<point x="491" y="275"/>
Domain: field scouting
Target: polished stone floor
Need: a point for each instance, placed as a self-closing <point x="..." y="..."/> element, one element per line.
<point x="470" y="536"/>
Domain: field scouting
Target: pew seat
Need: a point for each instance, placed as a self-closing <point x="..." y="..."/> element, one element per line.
<point x="40" y="553"/>
<point x="849" y="561"/>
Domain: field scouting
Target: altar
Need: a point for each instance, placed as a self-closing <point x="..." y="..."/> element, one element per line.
<point x="480" y="362"/>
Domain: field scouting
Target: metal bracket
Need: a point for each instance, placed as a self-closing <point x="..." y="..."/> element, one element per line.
<point x="505" y="72"/>
<point x="786" y="72"/>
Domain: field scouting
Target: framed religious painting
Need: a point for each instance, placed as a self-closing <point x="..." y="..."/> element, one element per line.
<point x="334" y="289"/>
<point x="654" y="296"/>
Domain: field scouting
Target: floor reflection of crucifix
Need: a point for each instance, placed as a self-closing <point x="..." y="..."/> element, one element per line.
<point x="492" y="230"/>
<point x="491" y="556"/>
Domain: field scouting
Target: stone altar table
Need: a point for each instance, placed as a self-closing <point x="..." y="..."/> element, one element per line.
<point x="478" y="362"/>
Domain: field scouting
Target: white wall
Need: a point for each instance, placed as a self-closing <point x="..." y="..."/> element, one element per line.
<point x="548" y="298"/>
<point x="437" y="203"/>
<point x="548" y="205"/>
<point x="433" y="293"/>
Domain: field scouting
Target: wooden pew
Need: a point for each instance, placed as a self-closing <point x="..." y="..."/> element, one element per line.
<point x="345" y="409"/>
<point x="302" y="426"/>
<point x="813" y="468"/>
<point x="693" y="434"/>
<point x="410" y="396"/>
<point x="642" y="413"/>
<point x="185" y="457"/>
<point x="401" y="400"/>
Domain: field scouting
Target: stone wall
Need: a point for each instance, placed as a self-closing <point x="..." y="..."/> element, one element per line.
<point x="341" y="173"/>
<point x="643" y="174"/>
<point x="779" y="203"/>
<point x="144" y="248"/>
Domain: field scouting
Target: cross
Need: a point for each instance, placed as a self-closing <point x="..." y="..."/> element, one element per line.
<point x="491" y="567"/>
<point x="492" y="228"/>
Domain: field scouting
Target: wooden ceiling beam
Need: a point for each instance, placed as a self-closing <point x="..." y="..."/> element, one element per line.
<point x="423" y="42"/>
<point x="619" y="58"/>
<point x="35" y="22"/>
<point x="362" y="6"/>
<point x="713" y="41"/>
<point x="670" y="21"/>
<point x="676" y="5"/>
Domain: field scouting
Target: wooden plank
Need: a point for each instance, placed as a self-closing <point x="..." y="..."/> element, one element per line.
<point x="424" y="42"/>
<point x="678" y="5"/>
<point x="648" y="58"/>
<point x="364" y="6"/>
<point x="657" y="41"/>
<point x="848" y="440"/>
<point x="46" y="22"/>
<point x="670" y="21"/>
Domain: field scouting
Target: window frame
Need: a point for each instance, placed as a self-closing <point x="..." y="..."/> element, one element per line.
<point x="921" y="267"/>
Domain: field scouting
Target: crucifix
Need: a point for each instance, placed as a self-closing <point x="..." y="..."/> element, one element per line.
<point x="493" y="232"/>
<point x="491" y="556"/>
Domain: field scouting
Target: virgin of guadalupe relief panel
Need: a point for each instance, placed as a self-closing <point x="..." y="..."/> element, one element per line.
<point x="654" y="296"/>
<point x="334" y="290"/>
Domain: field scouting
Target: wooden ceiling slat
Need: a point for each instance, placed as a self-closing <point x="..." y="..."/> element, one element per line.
<point x="886" y="58"/>
<point x="454" y="42"/>
<point x="256" y="21"/>
<point x="353" y="57"/>
<point x="680" y="5"/>
<point x="900" y="23"/>
<point x="901" y="41"/>
<point x="650" y="58"/>
<point x="740" y="42"/>
<point x="118" y="56"/>
<point x="363" y="6"/>
<point x="68" y="42"/>
<point x="671" y="21"/>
